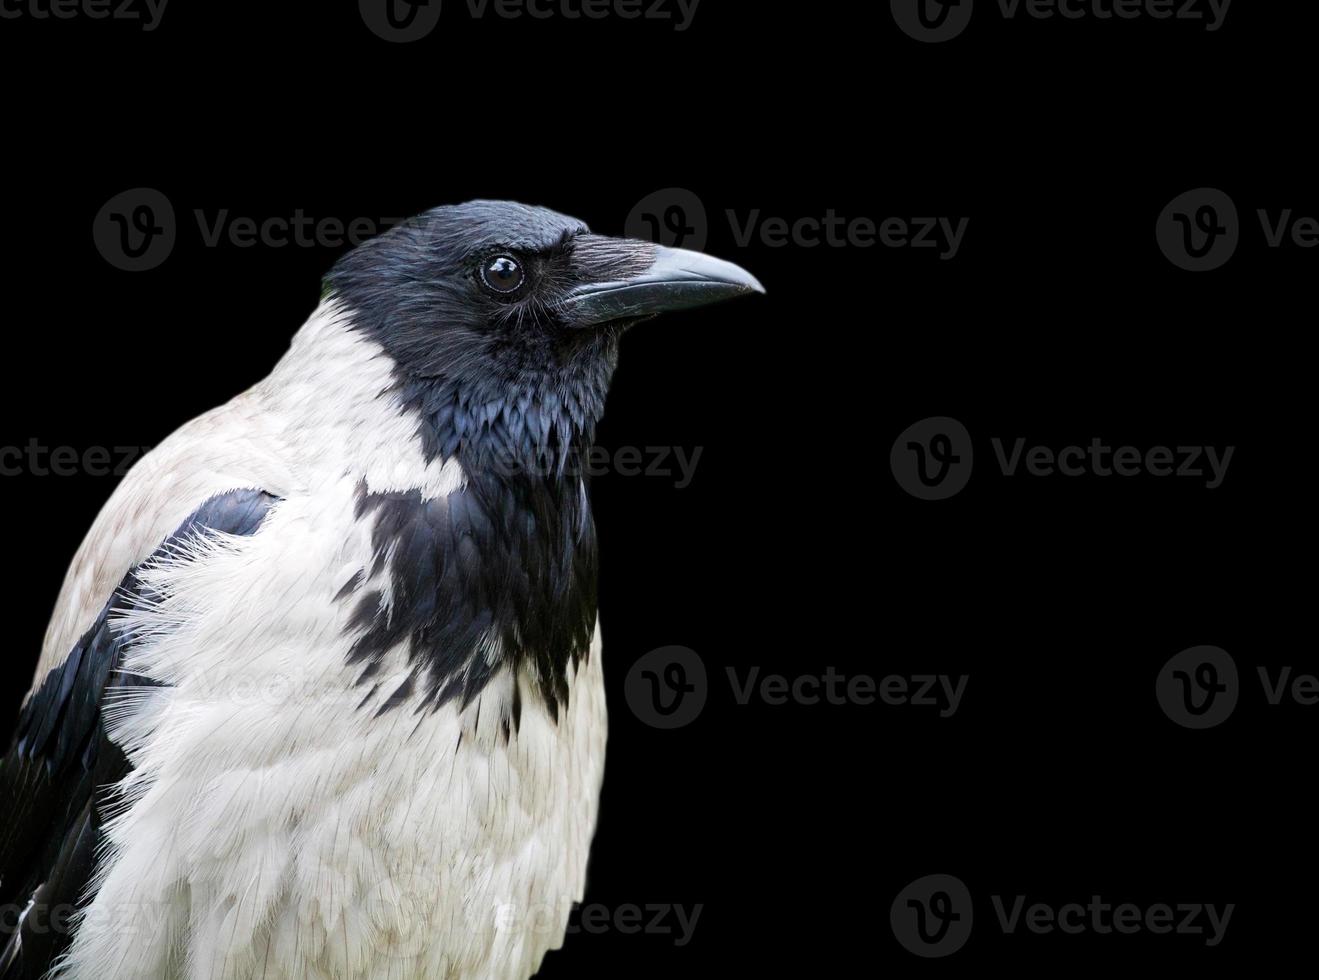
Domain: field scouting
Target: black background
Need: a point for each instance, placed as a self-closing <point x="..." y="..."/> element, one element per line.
<point x="793" y="549"/>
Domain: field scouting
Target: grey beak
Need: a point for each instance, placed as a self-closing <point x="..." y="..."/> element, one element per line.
<point x="677" y="279"/>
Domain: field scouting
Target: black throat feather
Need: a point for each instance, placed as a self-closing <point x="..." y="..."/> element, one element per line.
<point x="501" y="573"/>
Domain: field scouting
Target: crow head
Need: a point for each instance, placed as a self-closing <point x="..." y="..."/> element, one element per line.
<point x="503" y="322"/>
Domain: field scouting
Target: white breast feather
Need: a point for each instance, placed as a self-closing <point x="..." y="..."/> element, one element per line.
<point x="274" y="826"/>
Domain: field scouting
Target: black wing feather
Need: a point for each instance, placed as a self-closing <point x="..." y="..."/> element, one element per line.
<point x="60" y="760"/>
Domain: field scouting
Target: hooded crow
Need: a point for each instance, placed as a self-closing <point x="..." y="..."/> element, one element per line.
<point x="322" y="696"/>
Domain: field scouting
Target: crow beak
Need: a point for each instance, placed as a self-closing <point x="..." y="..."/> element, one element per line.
<point x="630" y="280"/>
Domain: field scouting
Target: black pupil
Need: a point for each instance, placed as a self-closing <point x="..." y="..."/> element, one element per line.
<point x="503" y="273"/>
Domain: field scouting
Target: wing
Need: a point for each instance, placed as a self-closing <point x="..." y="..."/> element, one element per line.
<point x="54" y="775"/>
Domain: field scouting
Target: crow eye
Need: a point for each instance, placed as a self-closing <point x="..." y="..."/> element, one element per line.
<point x="503" y="273"/>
